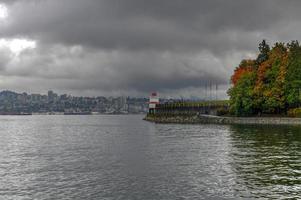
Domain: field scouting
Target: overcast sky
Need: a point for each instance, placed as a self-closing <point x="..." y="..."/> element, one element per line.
<point x="133" y="47"/>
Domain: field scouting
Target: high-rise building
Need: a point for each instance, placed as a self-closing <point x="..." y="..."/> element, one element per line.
<point x="50" y="96"/>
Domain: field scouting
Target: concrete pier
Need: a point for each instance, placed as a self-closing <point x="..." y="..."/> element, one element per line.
<point x="210" y="119"/>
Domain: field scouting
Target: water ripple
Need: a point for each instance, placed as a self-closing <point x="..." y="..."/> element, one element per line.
<point x="123" y="157"/>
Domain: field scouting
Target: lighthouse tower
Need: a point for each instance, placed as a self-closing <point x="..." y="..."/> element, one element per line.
<point x="153" y="101"/>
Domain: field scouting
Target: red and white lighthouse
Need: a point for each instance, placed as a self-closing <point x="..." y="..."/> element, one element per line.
<point x="153" y="101"/>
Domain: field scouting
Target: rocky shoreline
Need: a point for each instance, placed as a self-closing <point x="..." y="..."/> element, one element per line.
<point x="209" y="119"/>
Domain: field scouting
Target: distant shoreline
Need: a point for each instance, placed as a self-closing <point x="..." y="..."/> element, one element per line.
<point x="210" y="119"/>
<point x="68" y="114"/>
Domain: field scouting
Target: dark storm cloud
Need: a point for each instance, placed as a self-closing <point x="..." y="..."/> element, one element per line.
<point x="140" y="45"/>
<point x="140" y="24"/>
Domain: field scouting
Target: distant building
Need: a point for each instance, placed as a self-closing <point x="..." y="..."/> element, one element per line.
<point x="50" y="95"/>
<point x="153" y="101"/>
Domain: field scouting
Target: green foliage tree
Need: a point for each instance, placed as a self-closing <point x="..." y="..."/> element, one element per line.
<point x="293" y="75"/>
<point x="241" y="96"/>
<point x="264" y="50"/>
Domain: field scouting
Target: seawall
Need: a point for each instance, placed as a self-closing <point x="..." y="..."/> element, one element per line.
<point x="209" y="119"/>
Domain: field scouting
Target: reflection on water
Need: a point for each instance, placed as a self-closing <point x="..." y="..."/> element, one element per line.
<point x="124" y="157"/>
<point x="267" y="160"/>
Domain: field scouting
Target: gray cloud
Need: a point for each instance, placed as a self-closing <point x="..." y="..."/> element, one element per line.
<point x="136" y="46"/>
<point x="139" y="24"/>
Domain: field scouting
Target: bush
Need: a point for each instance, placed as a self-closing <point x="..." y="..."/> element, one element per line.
<point x="294" y="112"/>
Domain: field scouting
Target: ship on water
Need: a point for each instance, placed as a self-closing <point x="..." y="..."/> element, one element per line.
<point x="15" y="113"/>
<point x="76" y="112"/>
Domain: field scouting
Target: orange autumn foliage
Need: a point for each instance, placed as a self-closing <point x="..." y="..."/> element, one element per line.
<point x="271" y="84"/>
<point x="238" y="72"/>
<point x="277" y="53"/>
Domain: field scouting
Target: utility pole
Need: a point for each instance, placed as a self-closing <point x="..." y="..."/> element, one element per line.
<point x="216" y="88"/>
<point x="210" y="84"/>
<point x="205" y="90"/>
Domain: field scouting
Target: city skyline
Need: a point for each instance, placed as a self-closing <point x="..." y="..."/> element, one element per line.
<point x="53" y="103"/>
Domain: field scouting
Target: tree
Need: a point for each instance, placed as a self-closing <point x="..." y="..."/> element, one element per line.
<point x="244" y="67"/>
<point x="241" y="95"/>
<point x="269" y="88"/>
<point x="270" y="84"/>
<point x="264" y="50"/>
<point x="293" y="75"/>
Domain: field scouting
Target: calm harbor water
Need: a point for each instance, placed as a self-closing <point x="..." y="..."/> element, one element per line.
<point x="123" y="157"/>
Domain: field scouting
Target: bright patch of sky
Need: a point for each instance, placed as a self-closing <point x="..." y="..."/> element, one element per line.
<point x="16" y="46"/>
<point x="3" y="12"/>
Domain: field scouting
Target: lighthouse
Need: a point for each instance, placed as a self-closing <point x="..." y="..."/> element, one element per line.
<point x="153" y="101"/>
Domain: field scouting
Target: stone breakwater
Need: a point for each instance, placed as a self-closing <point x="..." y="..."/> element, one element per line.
<point x="209" y="119"/>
